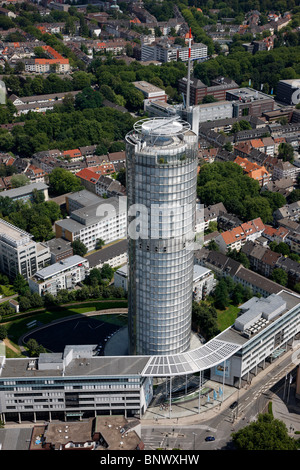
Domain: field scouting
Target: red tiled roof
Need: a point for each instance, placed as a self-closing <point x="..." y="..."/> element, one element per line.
<point x="88" y="175"/>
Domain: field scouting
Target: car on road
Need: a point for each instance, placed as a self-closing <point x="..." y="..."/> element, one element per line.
<point x="233" y="405"/>
<point x="210" y="438"/>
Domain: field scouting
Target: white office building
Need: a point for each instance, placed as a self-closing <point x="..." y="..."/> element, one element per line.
<point x="106" y="220"/>
<point x="19" y="253"/>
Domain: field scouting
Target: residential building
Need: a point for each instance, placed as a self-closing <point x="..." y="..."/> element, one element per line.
<point x="203" y="282"/>
<point x="290" y="211"/>
<point x="228" y="221"/>
<point x="235" y="238"/>
<point x="166" y="52"/>
<point x="19" y="253"/>
<point x="65" y="274"/>
<point x="55" y="62"/>
<point x="115" y="255"/>
<point x="254" y="171"/>
<point x="81" y="199"/>
<point x="92" y="434"/>
<point x="277" y="235"/>
<point x="283" y="186"/>
<point x="35" y="174"/>
<point x="38" y="103"/>
<point x="89" y="177"/>
<point x="106" y="186"/>
<point x="212" y="213"/>
<point x="121" y="278"/>
<point x="285" y="170"/>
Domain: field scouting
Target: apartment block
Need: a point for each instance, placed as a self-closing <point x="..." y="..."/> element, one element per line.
<point x="65" y="274"/>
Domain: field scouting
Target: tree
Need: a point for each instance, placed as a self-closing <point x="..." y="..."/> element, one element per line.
<point x="238" y="294"/>
<point x="205" y="319"/>
<point x="286" y="152"/>
<point x="99" y="243"/>
<point x="266" y="433"/>
<point x="107" y="272"/>
<point x="34" y="348"/>
<point x="62" y="181"/>
<point x="3" y="332"/>
<point x="19" y="180"/>
<point x="221" y="295"/>
<point x="79" y="248"/>
<point x="21" y="285"/>
<point x="280" y="276"/>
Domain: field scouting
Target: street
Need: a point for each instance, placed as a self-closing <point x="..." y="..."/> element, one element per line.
<point x="222" y="421"/>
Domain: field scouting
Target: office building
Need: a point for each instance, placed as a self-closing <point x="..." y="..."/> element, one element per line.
<point x="105" y="220"/>
<point x="198" y="90"/>
<point x="151" y="92"/>
<point x="164" y="52"/>
<point x="161" y="178"/>
<point x="78" y="383"/>
<point x="249" y="102"/>
<point x="288" y="91"/>
<point x="19" y="253"/>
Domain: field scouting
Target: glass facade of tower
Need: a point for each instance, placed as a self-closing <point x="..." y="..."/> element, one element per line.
<point x="161" y="191"/>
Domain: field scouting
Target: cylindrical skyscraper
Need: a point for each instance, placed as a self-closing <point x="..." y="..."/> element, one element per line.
<point x="161" y="191"/>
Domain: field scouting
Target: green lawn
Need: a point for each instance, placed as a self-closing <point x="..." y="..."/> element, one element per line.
<point x="227" y="317"/>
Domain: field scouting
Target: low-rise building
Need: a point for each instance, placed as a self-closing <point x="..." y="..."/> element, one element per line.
<point x="234" y="239"/>
<point x="289" y="211"/>
<point x="203" y="282"/>
<point x="121" y="278"/>
<point x="151" y="92"/>
<point x="59" y="249"/>
<point x="25" y="193"/>
<point x="254" y="171"/>
<point x="65" y="274"/>
<point x="285" y="170"/>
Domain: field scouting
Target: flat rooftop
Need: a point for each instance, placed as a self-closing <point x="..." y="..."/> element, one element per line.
<point x="23" y="190"/>
<point x="235" y="336"/>
<point x="84" y="197"/>
<point x="57" y="268"/>
<point x="8" y="230"/>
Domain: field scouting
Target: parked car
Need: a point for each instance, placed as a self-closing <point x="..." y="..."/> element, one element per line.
<point x="210" y="438"/>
